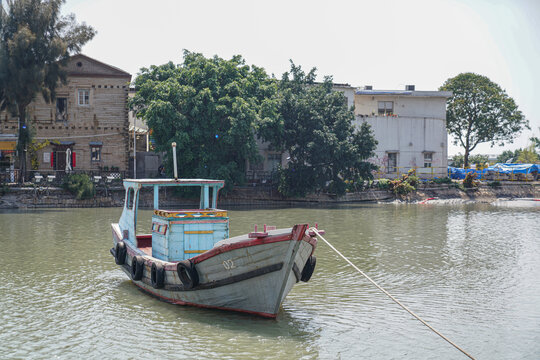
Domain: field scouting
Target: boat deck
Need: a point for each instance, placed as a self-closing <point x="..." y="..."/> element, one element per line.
<point x="144" y="243"/>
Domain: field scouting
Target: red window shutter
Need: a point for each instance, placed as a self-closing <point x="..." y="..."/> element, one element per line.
<point x="73" y="159"/>
<point x="52" y="159"/>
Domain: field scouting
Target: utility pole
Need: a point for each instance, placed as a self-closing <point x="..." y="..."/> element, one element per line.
<point x="134" y="151"/>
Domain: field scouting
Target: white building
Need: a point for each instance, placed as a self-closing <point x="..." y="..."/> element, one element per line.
<point x="410" y="127"/>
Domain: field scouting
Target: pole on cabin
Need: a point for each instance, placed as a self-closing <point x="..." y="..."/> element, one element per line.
<point x="174" y="161"/>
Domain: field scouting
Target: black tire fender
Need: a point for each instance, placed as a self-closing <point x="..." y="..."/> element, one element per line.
<point x="120" y="253"/>
<point x="137" y="267"/>
<point x="188" y="274"/>
<point x="157" y="276"/>
<point x="308" y="269"/>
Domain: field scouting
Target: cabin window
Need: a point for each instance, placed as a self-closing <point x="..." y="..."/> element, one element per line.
<point x="159" y="228"/>
<point x="130" y="198"/>
<point x="392" y="163"/>
<point x="61" y="109"/>
<point x="84" y="97"/>
<point x="386" y="107"/>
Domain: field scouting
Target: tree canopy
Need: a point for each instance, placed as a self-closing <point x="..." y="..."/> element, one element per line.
<point x="214" y="109"/>
<point x="479" y="160"/>
<point x="528" y="155"/>
<point x="210" y="107"/>
<point x="480" y="111"/>
<point x="509" y="155"/>
<point x="313" y="124"/>
<point x="35" y="44"/>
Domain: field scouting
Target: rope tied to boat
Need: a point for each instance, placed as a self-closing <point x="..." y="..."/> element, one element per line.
<point x="390" y="295"/>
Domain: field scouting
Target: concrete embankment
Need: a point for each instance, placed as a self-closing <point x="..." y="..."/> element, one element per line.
<point x="17" y="197"/>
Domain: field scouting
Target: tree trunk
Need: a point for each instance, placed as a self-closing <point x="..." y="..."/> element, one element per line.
<point x="24" y="138"/>
<point x="466" y="158"/>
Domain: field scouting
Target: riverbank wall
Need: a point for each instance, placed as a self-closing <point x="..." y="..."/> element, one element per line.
<point x="27" y="198"/>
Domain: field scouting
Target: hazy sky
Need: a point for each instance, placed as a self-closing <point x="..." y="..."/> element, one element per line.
<point x="384" y="43"/>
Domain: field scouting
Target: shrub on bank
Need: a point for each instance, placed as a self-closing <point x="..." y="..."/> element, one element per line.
<point x="444" y="180"/>
<point x="80" y="185"/>
<point x="383" y="184"/>
<point x="405" y="185"/>
<point x="469" y="181"/>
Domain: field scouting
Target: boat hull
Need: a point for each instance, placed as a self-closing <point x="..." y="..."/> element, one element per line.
<point x="246" y="274"/>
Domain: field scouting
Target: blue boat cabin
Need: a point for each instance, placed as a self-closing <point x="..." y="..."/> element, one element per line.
<point x="176" y="234"/>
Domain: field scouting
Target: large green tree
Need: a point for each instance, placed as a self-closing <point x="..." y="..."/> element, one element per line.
<point x="313" y="124"/>
<point x="509" y="155"/>
<point x="480" y="111"/>
<point x="210" y="107"/>
<point x="35" y="44"/>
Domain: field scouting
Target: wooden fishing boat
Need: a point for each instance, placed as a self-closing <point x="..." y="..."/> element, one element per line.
<point x="189" y="259"/>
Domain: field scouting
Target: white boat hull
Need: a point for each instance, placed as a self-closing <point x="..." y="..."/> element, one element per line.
<point x="252" y="275"/>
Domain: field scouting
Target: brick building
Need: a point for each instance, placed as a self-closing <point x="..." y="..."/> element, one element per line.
<point x="85" y="127"/>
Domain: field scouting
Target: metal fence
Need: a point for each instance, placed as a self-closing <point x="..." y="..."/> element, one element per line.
<point x="441" y="172"/>
<point x="421" y="172"/>
<point x="57" y="177"/>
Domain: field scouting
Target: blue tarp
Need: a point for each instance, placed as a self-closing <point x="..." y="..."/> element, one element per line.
<point x="459" y="174"/>
<point x="513" y="168"/>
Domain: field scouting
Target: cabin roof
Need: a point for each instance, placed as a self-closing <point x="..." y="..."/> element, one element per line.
<point x="179" y="182"/>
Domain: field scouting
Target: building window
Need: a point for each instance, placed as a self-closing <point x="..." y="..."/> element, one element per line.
<point x="392" y="163"/>
<point x="95" y="153"/>
<point x="84" y="97"/>
<point x="428" y="159"/>
<point x="61" y="109"/>
<point x="386" y="107"/>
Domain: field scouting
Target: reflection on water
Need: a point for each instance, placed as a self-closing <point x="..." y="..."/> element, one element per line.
<point x="471" y="271"/>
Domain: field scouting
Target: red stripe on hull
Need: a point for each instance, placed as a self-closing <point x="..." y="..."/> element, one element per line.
<point x="229" y="247"/>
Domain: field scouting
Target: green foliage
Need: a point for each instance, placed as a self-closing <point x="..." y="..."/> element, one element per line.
<point x="412" y="179"/>
<point x="383" y="184"/>
<point x="80" y="185"/>
<point x="528" y="156"/>
<point x="35" y="44"/>
<point x="469" y="181"/>
<point x="210" y="107"/>
<point x="494" y="183"/>
<point x="313" y="124"/>
<point x="479" y="160"/>
<point x="444" y="180"/>
<point x="34" y="147"/>
<point x="509" y="155"/>
<point x="536" y="141"/>
<point x="457" y="160"/>
<point x="404" y="185"/>
<point x="480" y="111"/>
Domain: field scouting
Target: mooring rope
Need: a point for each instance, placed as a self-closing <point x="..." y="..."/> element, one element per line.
<point x="390" y="296"/>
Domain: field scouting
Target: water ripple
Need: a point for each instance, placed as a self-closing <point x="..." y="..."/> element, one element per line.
<point x="471" y="271"/>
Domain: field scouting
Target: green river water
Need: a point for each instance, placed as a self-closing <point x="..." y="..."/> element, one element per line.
<point x="471" y="271"/>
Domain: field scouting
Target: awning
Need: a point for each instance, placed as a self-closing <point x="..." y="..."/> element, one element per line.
<point x="8" y="141"/>
<point x="138" y="130"/>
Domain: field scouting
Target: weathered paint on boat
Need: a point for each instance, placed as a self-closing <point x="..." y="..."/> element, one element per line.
<point x="252" y="273"/>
